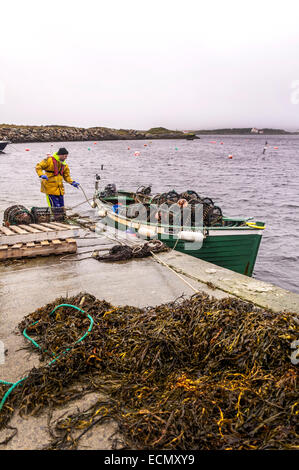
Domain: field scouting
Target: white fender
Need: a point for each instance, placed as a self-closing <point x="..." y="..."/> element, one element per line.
<point x="147" y="232"/>
<point x="191" y="236"/>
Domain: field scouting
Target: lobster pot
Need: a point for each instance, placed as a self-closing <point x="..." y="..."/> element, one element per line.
<point x="47" y="214"/>
<point x="17" y="215"/>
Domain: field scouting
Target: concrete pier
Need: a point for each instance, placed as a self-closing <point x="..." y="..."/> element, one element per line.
<point x="26" y="286"/>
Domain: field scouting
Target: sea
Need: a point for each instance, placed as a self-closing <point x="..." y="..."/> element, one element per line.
<point x="246" y="176"/>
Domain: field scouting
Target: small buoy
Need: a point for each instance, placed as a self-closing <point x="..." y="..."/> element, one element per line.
<point x="88" y="148"/>
<point x="183" y="202"/>
<point x="94" y="143"/>
<point x="176" y="148"/>
<point x="212" y="142"/>
<point x="27" y="150"/>
<point x="131" y="231"/>
<point x="275" y="148"/>
<point x="137" y="154"/>
<point x="147" y="232"/>
<point x="221" y="143"/>
<point x="145" y="145"/>
<point x="102" y="212"/>
<point x="191" y="236"/>
<point x="230" y="156"/>
<point x="129" y="148"/>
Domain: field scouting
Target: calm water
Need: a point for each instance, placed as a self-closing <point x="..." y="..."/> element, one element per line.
<point x="249" y="184"/>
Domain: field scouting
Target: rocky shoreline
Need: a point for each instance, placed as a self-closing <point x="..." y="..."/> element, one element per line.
<point x="24" y="134"/>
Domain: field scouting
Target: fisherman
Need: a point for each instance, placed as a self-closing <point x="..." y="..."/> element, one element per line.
<point x="52" y="170"/>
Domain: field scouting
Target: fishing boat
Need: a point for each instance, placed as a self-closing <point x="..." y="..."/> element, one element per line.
<point x="232" y="243"/>
<point x="3" y="144"/>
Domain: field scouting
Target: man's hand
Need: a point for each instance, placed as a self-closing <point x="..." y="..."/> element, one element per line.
<point x="76" y="185"/>
<point x="44" y="177"/>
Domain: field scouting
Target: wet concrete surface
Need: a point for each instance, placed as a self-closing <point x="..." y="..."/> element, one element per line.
<point x="26" y="286"/>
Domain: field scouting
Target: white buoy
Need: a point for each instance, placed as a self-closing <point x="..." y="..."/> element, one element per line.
<point x="100" y="228"/>
<point x="102" y="212"/>
<point x="147" y="232"/>
<point x="191" y="236"/>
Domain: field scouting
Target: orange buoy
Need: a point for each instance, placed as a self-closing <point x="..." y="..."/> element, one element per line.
<point x="182" y="202"/>
<point x="27" y="150"/>
<point x="221" y="143"/>
<point x="137" y="154"/>
<point x="145" y="145"/>
<point x="230" y="156"/>
<point x="275" y="148"/>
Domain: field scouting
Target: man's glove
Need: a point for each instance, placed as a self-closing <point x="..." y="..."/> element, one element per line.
<point x="44" y="177"/>
<point x="76" y="185"/>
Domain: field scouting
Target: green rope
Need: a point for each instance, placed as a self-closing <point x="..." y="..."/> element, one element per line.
<point x="15" y="384"/>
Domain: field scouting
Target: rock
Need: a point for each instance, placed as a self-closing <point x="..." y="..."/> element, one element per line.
<point x="50" y="133"/>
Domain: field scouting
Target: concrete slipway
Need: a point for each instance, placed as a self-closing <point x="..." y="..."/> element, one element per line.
<point x="26" y="286"/>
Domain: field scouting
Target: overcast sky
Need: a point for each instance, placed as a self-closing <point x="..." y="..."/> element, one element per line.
<point x="138" y="64"/>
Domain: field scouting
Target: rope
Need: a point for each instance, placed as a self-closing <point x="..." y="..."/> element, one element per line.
<point x="15" y="384"/>
<point x="167" y="266"/>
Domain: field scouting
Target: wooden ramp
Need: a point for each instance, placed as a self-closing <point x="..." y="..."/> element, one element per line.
<point x="27" y="241"/>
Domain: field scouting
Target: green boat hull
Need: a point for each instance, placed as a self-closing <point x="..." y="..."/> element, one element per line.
<point x="235" y="252"/>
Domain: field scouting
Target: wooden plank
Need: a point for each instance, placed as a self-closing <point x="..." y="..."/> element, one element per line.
<point x="50" y="225"/>
<point x="40" y="235"/>
<point x="29" y="228"/>
<point x="24" y="251"/>
<point x="17" y="229"/>
<point x="40" y="227"/>
<point x="17" y="245"/>
<point x="6" y="231"/>
<point x="30" y="244"/>
<point x="56" y="242"/>
<point x="66" y="226"/>
<point x="45" y="242"/>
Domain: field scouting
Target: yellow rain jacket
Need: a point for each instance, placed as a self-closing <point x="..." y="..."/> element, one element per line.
<point x="49" y="167"/>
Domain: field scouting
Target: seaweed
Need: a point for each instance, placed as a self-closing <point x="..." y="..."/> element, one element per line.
<point x="196" y="373"/>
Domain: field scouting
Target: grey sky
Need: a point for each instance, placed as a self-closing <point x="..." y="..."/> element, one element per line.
<point x="137" y="64"/>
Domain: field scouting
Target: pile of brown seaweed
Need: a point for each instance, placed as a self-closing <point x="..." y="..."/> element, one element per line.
<point x="198" y="373"/>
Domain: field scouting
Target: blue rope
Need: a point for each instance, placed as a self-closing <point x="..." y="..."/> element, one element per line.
<point x="15" y="384"/>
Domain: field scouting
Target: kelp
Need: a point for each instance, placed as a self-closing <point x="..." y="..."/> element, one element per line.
<point x="196" y="373"/>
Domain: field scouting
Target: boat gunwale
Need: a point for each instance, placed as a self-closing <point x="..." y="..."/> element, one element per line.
<point x="179" y="228"/>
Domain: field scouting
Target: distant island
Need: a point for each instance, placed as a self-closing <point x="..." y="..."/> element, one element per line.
<point x="56" y="133"/>
<point x="243" y="131"/>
